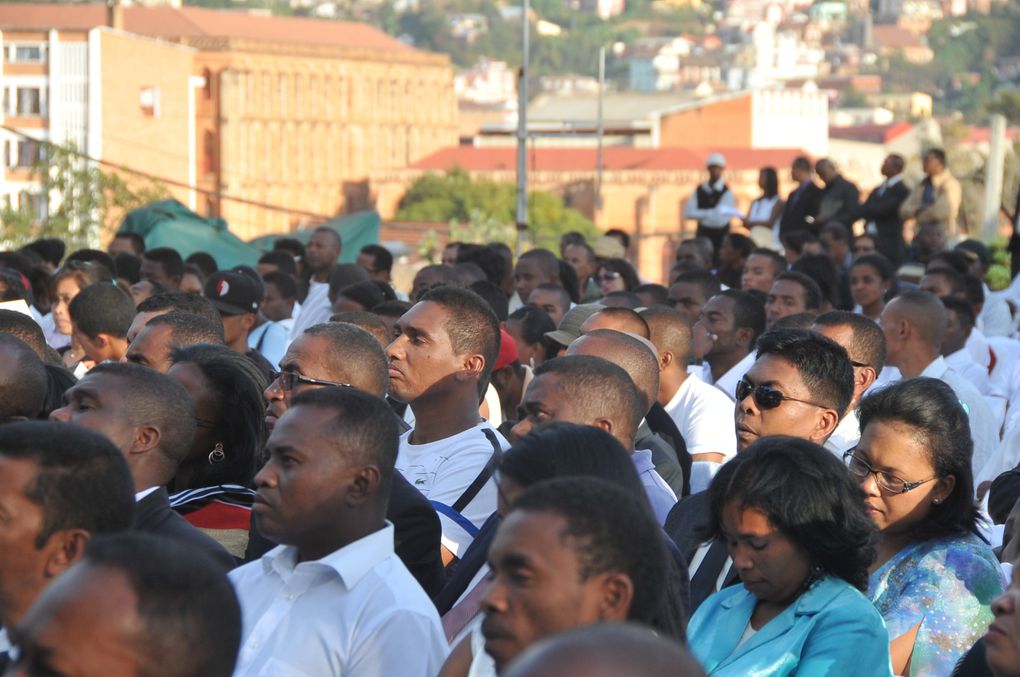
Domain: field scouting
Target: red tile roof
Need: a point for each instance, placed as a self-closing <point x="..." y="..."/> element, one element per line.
<point x="198" y="22"/>
<point x="614" y="159"/>
<point x="871" y="133"/>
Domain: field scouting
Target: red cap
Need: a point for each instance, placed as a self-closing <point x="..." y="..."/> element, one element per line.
<point x="507" y="350"/>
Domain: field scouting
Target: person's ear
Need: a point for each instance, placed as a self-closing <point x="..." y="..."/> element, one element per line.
<point x="146" y="438"/>
<point x="826" y="422"/>
<point x="604" y="424"/>
<point x="473" y="366"/>
<point x="617" y="596"/>
<point x="364" y="485"/>
<point x="665" y="359"/>
<point x="863" y="378"/>
<point x="249" y="321"/>
<point x="743" y="335"/>
<point x="943" y="488"/>
<point x="65" y="548"/>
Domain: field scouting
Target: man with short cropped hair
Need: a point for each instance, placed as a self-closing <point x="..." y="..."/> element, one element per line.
<point x="792" y="293"/>
<point x="59" y="485"/>
<point x="535" y="267"/>
<point x="150" y="418"/>
<point x="377" y="260"/>
<point x="761" y="269"/>
<point x="726" y="332"/>
<point x="101" y="315"/>
<point x="23" y="381"/>
<point x="133" y="605"/>
<point x="127" y="243"/>
<point x="333" y="599"/>
<point x="552" y="298"/>
<point x="936" y="200"/>
<point x="157" y="340"/>
<point x="321" y="255"/>
<point x="690" y="291"/>
<point x="164" y="266"/>
<point x="440" y="362"/>
<point x="581" y="258"/>
<point x="864" y="343"/>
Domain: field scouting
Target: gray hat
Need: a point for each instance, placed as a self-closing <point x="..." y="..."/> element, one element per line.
<point x="570" y="326"/>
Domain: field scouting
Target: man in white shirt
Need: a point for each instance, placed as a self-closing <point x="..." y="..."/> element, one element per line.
<point x="589" y="390"/>
<point x="712" y="204"/>
<point x="702" y="413"/>
<point x="865" y="344"/>
<point x="729" y="325"/>
<point x="333" y="598"/>
<point x="321" y="256"/>
<point x="914" y="324"/>
<point x="440" y="362"/>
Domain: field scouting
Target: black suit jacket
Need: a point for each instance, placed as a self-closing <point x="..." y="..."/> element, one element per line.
<point x="662" y="424"/>
<point x="685" y="522"/>
<point x="416" y="533"/>
<point x="801" y="205"/>
<point x="884" y="210"/>
<point x="154" y="515"/>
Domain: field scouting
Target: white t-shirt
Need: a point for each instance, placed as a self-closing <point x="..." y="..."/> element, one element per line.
<point x="704" y="416"/>
<point x="728" y="381"/>
<point x="444" y="469"/>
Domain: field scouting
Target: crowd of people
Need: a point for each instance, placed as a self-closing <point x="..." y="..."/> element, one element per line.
<point x="800" y="456"/>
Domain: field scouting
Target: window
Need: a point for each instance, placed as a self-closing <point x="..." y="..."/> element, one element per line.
<point x="148" y="99"/>
<point x="24" y="101"/>
<point x="32" y="53"/>
<point x="29" y="152"/>
<point x="32" y="203"/>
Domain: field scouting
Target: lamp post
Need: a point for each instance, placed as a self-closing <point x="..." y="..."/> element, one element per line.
<point x="522" y="133"/>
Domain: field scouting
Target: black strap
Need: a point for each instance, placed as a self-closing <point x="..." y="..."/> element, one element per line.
<point x="483" y="477"/>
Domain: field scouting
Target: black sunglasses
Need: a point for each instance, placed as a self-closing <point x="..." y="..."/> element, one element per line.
<point x="289" y="379"/>
<point x="767" y="397"/>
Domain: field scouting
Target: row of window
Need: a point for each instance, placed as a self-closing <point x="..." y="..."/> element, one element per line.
<point x="24" y="101"/>
<point x="25" y="53"/>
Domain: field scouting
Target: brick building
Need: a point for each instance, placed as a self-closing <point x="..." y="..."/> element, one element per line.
<point x="288" y="112"/>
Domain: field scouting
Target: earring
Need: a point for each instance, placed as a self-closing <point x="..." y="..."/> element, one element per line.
<point x="217" y="455"/>
<point x="936" y="501"/>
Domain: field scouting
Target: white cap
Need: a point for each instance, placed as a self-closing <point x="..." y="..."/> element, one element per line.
<point x="715" y="160"/>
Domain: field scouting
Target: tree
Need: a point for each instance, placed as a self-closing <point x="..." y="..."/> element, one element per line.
<point x="482" y="210"/>
<point x="83" y="203"/>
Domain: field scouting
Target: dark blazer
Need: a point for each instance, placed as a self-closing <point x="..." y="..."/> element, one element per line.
<point x="884" y="210"/>
<point x="839" y="202"/>
<point x="662" y="424"/>
<point x="153" y="515"/>
<point x="801" y="205"/>
<point x="683" y="524"/>
<point x="416" y="533"/>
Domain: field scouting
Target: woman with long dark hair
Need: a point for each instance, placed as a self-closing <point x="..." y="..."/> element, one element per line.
<point x="763" y="215"/>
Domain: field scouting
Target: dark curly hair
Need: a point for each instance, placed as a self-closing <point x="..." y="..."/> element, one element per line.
<point x="808" y="495"/>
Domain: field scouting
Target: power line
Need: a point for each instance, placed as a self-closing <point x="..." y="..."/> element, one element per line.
<point x="171" y="182"/>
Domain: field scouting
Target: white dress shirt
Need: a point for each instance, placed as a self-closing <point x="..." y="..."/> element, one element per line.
<point x="714" y="217"/>
<point x="846" y="435"/>
<point x="357" y="611"/>
<point x="316" y="309"/>
<point x="728" y="381"/>
<point x="274" y="339"/>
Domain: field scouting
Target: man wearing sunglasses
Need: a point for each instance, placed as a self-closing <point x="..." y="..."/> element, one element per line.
<point x="341" y="354"/>
<point x="799" y="385"/>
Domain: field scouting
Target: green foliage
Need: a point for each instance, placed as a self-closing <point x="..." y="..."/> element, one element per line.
<point x="84" y="202"/>
<point x="1008" y="105"/>
<point x="481" y="210"/>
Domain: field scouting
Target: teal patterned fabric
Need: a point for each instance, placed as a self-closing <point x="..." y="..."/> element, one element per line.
<point x="946" y="585"/>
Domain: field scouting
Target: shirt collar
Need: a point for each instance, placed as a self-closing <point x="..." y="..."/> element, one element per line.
<point x="893" y="180"/>
<point x="936" y="369"/>
<point x="350" y="562"/>
<point x="143" y="493"/>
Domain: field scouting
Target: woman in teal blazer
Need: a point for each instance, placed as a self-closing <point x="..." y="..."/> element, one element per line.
<point x="792" y="520"/>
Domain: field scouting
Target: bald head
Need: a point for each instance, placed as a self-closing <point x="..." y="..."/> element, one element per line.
<point x="606" y="650"/>
<point x="618" y="319"/>
<point x="635" y="356"/>
<point x="923" y="312"/>
<point x="670" y="333"/>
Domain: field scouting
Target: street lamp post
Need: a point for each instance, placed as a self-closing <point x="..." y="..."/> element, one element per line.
<point x="522" y="133"/>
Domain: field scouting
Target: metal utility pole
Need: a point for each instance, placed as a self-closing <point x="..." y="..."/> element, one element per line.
<point x="598" y="154"/>
<point x="522" y="133"/>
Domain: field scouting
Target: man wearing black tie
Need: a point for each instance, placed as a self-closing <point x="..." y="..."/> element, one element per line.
<point x="800" y="385"/>
<point x="803" y="203"/>
<point x="882" y="211"/>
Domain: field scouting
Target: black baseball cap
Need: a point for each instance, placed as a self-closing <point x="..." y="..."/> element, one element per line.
<point x="234" y="293"/>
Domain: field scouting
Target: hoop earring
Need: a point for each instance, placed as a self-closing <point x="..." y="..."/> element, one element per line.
<point x="217" y="454"/>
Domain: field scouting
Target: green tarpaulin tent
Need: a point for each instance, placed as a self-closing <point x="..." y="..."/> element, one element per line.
<point x="356" y="230"/>
<point x="170" y="224"/>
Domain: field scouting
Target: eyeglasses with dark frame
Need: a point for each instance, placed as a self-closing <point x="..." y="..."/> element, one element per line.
<point x="608" y="276"/>
<point x="891" y="483"/>
<point x="289" y="379"/>
<point x="767" y="397"/>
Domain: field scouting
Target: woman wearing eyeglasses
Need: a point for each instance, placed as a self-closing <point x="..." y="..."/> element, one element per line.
<point x="616" y="275"/>
<point x="934" y="577"/>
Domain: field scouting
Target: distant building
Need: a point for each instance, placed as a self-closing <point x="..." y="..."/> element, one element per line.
<point x="662" y="64"/>
<point x="896" y="40"/>
<point x="487" y="82"/>
<point x="82" y="88"/>
<point x="912" y="105"/>
<point x="291" y="112"/>
<point x="603" y="9"/>
<point x="848" y="117"/>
